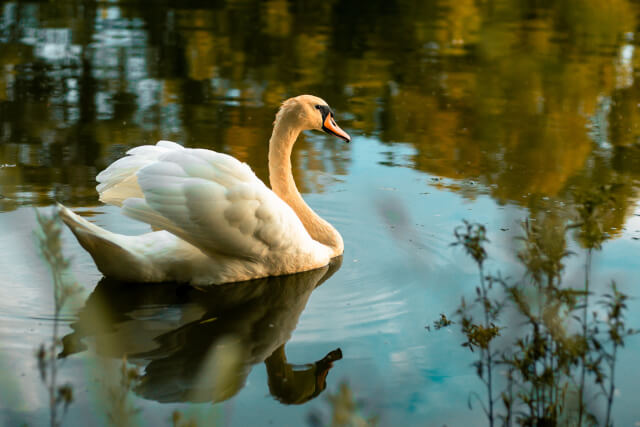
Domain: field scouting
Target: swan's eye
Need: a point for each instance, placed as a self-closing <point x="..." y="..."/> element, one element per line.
<point x="324" y="110"/>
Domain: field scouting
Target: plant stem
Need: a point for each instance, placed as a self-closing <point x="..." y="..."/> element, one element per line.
<point x="485" y="301"/>
<point x="587" y="272"/>
<point x="53" y="406"/>
<point x="612" y="365"/>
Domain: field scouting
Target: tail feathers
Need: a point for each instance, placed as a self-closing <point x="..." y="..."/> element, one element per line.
<point x="78" y="224"/>
<point x="112" y="259"/>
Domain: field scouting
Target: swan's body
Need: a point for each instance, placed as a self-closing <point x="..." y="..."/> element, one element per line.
<point x="216" y="221"/>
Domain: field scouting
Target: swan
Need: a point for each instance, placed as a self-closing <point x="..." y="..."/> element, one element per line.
<point x="213" y="220"/>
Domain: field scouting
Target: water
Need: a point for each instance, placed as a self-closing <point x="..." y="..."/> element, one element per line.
<point x="491" y="112"/>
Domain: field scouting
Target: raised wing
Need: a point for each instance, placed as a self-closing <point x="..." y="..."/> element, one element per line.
<point x="119" y="182"/>
<point x="209" y="199"/>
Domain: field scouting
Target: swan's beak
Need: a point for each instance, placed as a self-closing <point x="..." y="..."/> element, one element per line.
<point x="330" y="126"/>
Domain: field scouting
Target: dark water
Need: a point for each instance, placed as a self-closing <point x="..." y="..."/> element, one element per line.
<point x="489" y="111"/>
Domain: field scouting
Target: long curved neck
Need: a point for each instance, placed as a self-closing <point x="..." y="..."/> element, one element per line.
<point x="285" y="133"/>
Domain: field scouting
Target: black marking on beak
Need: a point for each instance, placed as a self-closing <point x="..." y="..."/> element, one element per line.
<point x="329" y="125"/>
<point x="324" y="110"/>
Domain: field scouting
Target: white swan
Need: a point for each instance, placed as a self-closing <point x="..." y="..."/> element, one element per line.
<point x="216" y="221"/>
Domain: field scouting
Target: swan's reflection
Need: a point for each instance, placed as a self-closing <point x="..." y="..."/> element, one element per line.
<point x="200" y="344"/>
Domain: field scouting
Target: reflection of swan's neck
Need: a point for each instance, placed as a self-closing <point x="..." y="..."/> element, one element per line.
<point x="285" y="133"/>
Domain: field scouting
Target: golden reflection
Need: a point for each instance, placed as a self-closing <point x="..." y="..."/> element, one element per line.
<point x="459" y="26"/>
<point x="205" y="50"/>
<point x="520" y="97"/>
<point x="310" y="49"/>
<point x="199" y="344"/>
<point x="277" y="19"/>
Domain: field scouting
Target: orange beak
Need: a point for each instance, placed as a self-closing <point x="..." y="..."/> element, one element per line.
<point x="330" y="126"/>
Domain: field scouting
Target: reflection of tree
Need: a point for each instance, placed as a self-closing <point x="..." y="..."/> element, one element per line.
<point x="516" y="116"/>
<point x="218" y="86"/>
<point x="502" y="94"/>
<point x="624" y="117"/>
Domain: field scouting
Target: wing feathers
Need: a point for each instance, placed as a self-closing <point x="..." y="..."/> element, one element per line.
<point x="118" y="182"/>
<point x="168" y="144"/>
<point x="209" y="199"/>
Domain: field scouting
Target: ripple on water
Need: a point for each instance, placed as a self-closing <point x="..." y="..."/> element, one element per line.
<point x="366" y="297"/>
<point x="389" y="281"/>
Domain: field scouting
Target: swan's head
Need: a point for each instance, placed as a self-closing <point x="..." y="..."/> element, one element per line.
<point x="312" y="112"/>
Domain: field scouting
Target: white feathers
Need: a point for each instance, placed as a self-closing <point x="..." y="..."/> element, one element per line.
<point x="119" y="182"/>
<point x="208" y="199"/>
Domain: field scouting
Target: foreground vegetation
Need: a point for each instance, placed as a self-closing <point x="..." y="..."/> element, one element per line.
<point x="558" y="355"/>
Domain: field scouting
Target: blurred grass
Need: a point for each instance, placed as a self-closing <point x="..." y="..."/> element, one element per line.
<point x="64" y="289"/>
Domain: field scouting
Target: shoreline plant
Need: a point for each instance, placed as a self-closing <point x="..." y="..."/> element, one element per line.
<point x="555" y="354"/>
<point x="49" y="240"/>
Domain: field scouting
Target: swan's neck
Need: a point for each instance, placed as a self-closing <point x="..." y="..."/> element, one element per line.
<point x="281" y="143"/>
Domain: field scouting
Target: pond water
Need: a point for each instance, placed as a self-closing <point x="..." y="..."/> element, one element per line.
<point x="492" y="112"/>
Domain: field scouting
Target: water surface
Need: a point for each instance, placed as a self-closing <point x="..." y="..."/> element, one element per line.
<point x="488" y="111"/>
